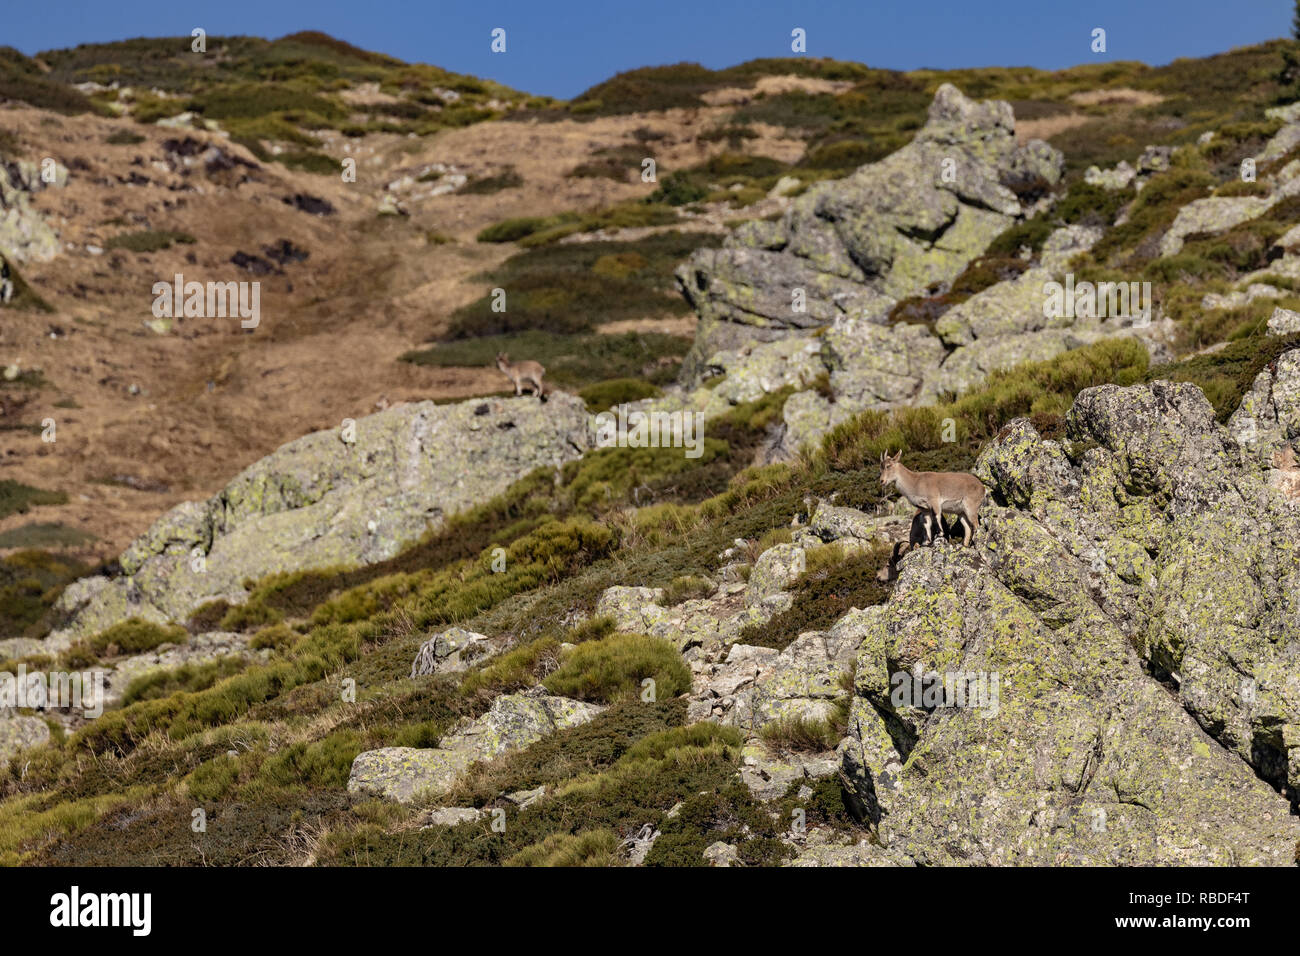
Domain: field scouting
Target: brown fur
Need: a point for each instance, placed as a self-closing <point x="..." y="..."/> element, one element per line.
<point x="935" y="493"/>
<point x="521" y="372"/>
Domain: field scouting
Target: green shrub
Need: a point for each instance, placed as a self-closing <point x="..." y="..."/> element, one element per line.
<point x="512" y="230"/>
<point x="244" y="101"/>
<point x="149" y="240"/>
<point x="18" y="498"/>
<point x="685" y="588"/>
<point x="801" y="734"/>
<point x="570" y="288"/>
<point x="487" y="185"/>
<point x="322" y="763"/>
<point x="309" y="161"/>
<point x="588" y="848"/>
<point x="679" y="189"/>
<point x="569" y="360"/>
<point x="616" y="391"/>
<point x="30" y="583"/>
<point x="823" y="595"/>
<point x="614" y="668"/>
<point x="132" y="636"/>
<point x="156" y="684"/>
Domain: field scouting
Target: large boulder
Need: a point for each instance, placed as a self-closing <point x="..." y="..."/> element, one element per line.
<point x="856" y="246"/>
<point x="339" y="497"/>
<point x="24" y="234"/>
<point x="1130" y="606"/>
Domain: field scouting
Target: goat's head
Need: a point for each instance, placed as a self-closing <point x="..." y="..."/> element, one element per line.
<point x="889" y="467"/>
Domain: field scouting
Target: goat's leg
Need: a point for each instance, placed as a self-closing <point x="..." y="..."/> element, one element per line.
<point x="938" y="519"/>
<point x="973" y="515"/>
<point x="967" y="530"/>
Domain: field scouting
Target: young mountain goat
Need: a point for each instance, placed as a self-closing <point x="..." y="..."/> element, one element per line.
<point x="935" y="493"/>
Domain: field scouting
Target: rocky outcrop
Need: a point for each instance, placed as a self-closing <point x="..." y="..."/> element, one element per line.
<point x="1123" y="636"/>
<point x="854" y="247"/>
<point x="18" y="732"/>
<point x="348" y="496"/>
<point x="805" y="302"/>
<point x="25" y="236"/>
<point x="513" y="722"/>
<point x="1283" y="322"/>
<point x="1269" y="414"/>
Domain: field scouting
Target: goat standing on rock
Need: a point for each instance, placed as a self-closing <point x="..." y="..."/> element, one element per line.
<point x="936" y="493"/>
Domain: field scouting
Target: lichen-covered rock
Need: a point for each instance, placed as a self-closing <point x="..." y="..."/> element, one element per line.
<point x="451" y="816"/>
<point x="1283" y="322"/>
<point x="12" y="648"/>
<point x="759" y="368"/>
<point x="721" y="854"/>
<point x="1150" y="549"/>
<point x="804" y="681"/>
<point x="1269" y="414"/>
<point x="1238" y="298"/>
<point x="715" y="684"/>
<point x="968" y="366"/>
<point x="347" y="496"/>
<point x="808" y="416"/>
<point x="450" y="651"/>
<point x="838" y="523"/>
<point x="701" y="627"/>
<point x="18" y="732"/>
<point x="863" y="853"/>
<point x="405" y="773"/>
<point x="634" y="609"/>
<point x="1120" y="177"/>
<point x="769" y="776"/>
<point x="775" y="570"/>
<point x="1212" y="214"/>
<point x="24" y="233"/>
<point x="853" y="247"/>
<point x="1006" y="308"/>
<point x="872" y="365"/>
<point x="513" y="722"/>
<point x="1066" y="243"/>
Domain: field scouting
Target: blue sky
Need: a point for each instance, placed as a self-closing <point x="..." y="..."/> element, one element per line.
<point x="561" y="49"/>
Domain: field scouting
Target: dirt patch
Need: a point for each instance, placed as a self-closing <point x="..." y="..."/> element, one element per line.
<point x="1121" y="96"/>
<point x="680" y="325"/>
<point x="773" y="85"/>
<point x="179" y="414"/>
<point x="1048" y="126"/>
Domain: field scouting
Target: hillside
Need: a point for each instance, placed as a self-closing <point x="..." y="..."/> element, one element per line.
<point x="458" y="631"/>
